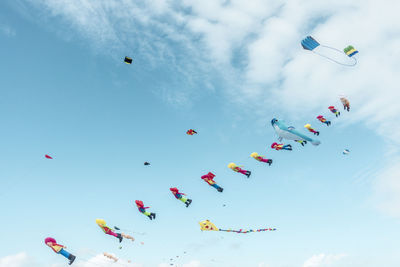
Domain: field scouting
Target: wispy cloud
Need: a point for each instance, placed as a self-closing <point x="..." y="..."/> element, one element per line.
<point x="7" y="30"/>
<point x="18" y="260"/>
<point x="387" y="188"/>
<point x="322" y="260"/>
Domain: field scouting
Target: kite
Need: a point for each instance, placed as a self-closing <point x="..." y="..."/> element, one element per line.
<point x="346" y="152"/>
<point x="146" y="163"/>
<point x="110" y="256"/>
<point x="350" y="51"/>
<point x="334" y="111"/>
<point x="191" y="132"/>
<point x="278" y="147"/>
<point x="59" y="249"/>
<point x="290" y="133"/>
<point x="308" y="127"/>
<point x="323" y="120"/>
<point x="107" y="230"/>
<point x="208" y="178"/>
<point x="180" y="196"/>
<point x="209" y="226"/>
<point x="346" y="103"/>
<point x="142" y="209"/>
<point x="128" y="60"/>
<point x="47" y="157"/>
<point x="236" y="168"/>
<point x="260" y="158"/>
<point x="333" y="54"/>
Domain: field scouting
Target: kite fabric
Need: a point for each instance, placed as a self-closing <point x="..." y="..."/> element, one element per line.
<point x="308" y="127"/>
<point x="48" y="157"/>
<point x="110" y="256"/>
<point x="209" y="179"/>
<point x="209" y="226"/>
<point x="344" y="58"/>
<point x="128" y="60"/>
<point x="334" y="111"/>
<point x="260" y="158"/>
<point x="346" y="103"/>
<point x="350" y="51"/>
<point x="180" y="196"/>
<point x="236" y="168"/>
<point x="191" y="132"/>
<point x="59" y="249"/>
<point x="107" y="230"/>
<point x="323" y="120"/>
<point x="142" y="209"/>
<point x="278" y="147"/>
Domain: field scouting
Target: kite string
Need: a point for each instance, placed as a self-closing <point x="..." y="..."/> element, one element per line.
<point x="333" y="60"/>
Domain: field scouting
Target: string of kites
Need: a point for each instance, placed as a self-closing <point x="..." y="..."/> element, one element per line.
<point x="308" y="43"/>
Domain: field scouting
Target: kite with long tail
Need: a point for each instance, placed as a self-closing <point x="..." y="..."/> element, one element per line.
<point x="209" y="226"/>
<point x="344" y="58"/>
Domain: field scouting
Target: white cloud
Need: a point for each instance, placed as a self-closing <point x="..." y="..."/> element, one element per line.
<point x="322" y="260"/>
<point x="388" y="188"/>
<point x="100" y="260"/>
<point x="17" y="260"/>
<point x="24" y="260"/>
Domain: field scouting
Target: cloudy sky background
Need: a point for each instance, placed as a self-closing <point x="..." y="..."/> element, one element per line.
<point x="225" y="68"/>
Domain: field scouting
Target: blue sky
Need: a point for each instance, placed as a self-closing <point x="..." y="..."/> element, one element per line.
<point x="66" y="92"/>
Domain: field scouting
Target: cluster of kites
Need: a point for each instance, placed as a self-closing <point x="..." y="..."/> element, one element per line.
<point x="346" y="58"/>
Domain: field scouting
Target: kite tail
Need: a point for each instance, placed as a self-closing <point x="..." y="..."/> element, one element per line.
<point x="241" y="231"/>
<point x="331" y="59"/>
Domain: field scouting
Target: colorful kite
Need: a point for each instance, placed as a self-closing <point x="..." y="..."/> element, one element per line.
<point x="110" y="256"/>
<point x="128" y="60"/>
<point x="209" y="226"/>
<point x="191" y="132"/>
<point x="323" y="120"/>
<point x="346" y="103"/>
<point x="260" y="158"/>
<point x="107" y="230"/>
<point x="334" y="111"/>
<point x="330" y="53"/>
<point x="142" y="209"/>
<point x="278" y="147"/>
<point x="208" y="178"/>
<point x="180" y="196"/>
<point x="236" y="168"/>
<point x="290" y="133"/>
<point x="346" y="152"/>
<point x="308" y="127"/>
<point x="59" y="249"/>
<point x="350" y="51"/>
<point x="47" y="157"/>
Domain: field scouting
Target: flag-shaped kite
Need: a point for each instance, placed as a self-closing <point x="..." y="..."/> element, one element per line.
<point x="209" y="226"/>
